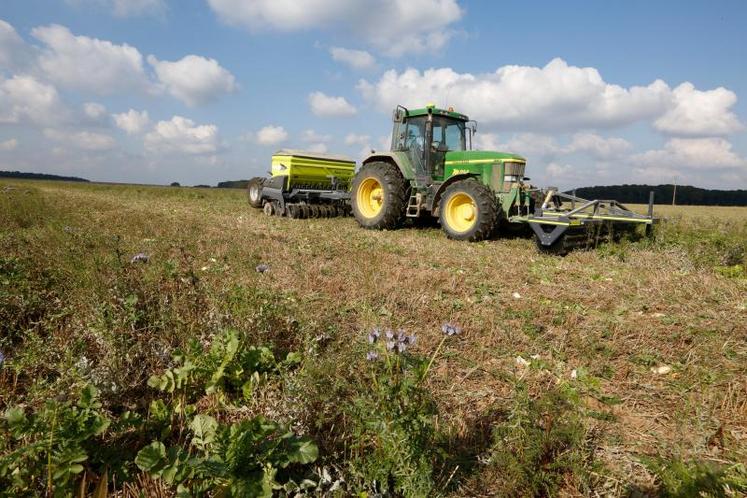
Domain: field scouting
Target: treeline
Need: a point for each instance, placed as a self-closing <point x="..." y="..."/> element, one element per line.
<point x="233" y="184"/>
<point x="686" y="195"/>
<point x="40" y="176"/>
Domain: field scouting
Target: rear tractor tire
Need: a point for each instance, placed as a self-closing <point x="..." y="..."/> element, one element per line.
<point x="254" y="191"/>
<point x="468" y="210"/>
<point x="379" y="196"/>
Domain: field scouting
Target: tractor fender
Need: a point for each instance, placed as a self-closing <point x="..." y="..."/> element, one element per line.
<point x="436" y="198"/>
<point x="385" y="157"/>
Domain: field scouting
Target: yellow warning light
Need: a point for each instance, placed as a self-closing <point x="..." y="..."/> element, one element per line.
<point x="430" y="104"/>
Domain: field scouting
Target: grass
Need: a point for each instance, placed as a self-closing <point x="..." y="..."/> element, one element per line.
<point x="549" y="390"/>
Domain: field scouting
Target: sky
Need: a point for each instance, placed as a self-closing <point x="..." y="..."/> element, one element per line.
<point x="200" y="91"/>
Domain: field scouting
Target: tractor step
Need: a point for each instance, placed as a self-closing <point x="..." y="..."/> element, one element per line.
<point x="414" y="205"/>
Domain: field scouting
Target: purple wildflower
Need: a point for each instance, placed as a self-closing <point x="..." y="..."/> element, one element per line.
<point x="390" y="345"/>
<point x="411" y="339"/>
<point x="389" y="334"/>
<point x="372" y="356"/>
<point x="374" y="335"/>
<point x="140" y="257"/>
<point x="262" y="267"/>
<point x="450" y="329"/>
<point x="401" y="347"/>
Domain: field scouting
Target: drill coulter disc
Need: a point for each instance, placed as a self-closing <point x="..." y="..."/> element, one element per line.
<point x="304" y="211"/>
<point x="314" y="211"/>
<point x="293" y="211"/>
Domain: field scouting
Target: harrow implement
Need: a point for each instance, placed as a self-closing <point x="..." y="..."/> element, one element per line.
<point x="564" y="221"/>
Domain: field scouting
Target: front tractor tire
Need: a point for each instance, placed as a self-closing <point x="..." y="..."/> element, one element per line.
<point x="468" y="210"/>
<point x="254" y="191"/>
<point x="379" y="196"/>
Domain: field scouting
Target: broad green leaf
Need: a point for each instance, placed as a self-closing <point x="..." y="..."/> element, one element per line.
<point x="292" y="358"/>
<point x="159" y="411"/>
<point x="203" y="427"/>
<point x="151" y="456"/>
<point x="15" y="416"/>
<point x="88" y="397"/>
<point x="302" y="450"/>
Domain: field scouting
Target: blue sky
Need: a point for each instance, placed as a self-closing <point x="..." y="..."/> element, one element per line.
<point x="198" y="91"/>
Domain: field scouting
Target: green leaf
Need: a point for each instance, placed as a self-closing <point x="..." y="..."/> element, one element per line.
<point x="158" y="411"/>
<point x="15" y="416"/>
<point x="204" y="428"/>
<point x="293" y="358"/>
<point x="302" y="450"/>
<point x="89" y="397"/>
<point x="150" y="457"/>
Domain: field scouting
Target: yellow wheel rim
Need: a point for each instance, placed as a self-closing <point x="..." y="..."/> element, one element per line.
<point x="370" y="197"/>
<point x="460" y="212"/>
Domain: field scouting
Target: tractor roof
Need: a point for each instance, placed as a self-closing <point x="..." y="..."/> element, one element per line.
<point x="438" y="112"/>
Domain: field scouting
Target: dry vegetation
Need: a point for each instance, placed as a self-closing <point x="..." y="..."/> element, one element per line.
<point x="613" y="372"/>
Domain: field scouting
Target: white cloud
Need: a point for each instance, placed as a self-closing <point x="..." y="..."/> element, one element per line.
<point x="182" y="135"/>
<point x="357" y="59"/>
<point x="86" y="140"/>
<point x="692" y="153"/>
<point x="132" y="121"/>
<point x="597" y="146"/>
<point x="538" y="144"/>
<point x="12" y="48"/>
<point x="9" y="145"/>
<point x="319" y="148"/>
<point x="313" y="136"/>
<point x="356" y="139"/>
<point x="193" y="79"/>
<point x="89" y="64"/>
<point x="271" y="135"/>
<point x="25" y="99"/>
<point x="558" y="171"/>
<point x="555" y="97"/>
<point x="94" y="110"/>
<point x="328" y="106"/>
<point x="395" y="27"/>
<point x="700" y="113"/>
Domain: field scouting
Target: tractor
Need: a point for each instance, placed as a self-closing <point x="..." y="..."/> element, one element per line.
<point x="432" y="171"/>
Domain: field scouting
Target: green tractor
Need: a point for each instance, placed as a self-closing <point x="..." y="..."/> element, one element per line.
<point x="432" y="171"/>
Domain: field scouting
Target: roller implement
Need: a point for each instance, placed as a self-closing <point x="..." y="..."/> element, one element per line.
<point x="432" y="171"/>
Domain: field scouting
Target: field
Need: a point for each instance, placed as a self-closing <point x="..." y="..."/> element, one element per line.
<point x="164" y="340"/>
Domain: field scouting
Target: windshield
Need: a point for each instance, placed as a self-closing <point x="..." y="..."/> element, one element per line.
<point x="448" y="134"/>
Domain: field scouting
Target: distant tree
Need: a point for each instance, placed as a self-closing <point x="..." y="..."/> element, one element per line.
<point x="233" y="184"/>
<point x="175" y="184"/>
<point x="202" y="186"/>
<point x="39" y="176"/>
<point x="686" y="195"/>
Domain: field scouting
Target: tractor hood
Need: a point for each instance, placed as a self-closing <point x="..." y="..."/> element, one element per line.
<point x="480" y="157"/>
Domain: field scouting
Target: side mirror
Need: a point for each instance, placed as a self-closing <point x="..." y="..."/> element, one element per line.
<point x="399" y="114"/>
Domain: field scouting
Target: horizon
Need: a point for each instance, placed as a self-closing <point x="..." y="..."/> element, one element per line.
<point x="155" y="91"/>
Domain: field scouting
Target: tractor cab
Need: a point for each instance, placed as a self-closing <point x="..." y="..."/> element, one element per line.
<point x="426" y="135"/>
